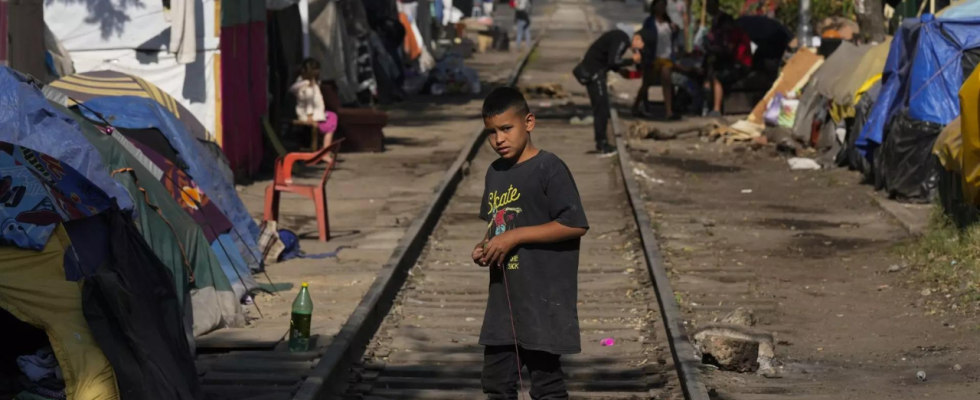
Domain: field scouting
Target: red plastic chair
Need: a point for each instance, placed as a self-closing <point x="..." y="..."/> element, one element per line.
<point x="283" y="182"/>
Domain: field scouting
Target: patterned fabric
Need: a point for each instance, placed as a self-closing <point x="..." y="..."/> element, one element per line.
<point x="37" y="192"/>
<point x="188" y="195"/>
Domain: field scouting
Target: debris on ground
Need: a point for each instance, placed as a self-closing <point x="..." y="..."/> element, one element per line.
<point x="741" y="316"/>
<point x="803" y="164"/>
<point x="548" y="90"/>
<point x="894" y="268"/>
<point x="783" y="139"/>
<point x="921" y="375"/>
<point x="741" y="131"/>
<point x="643" y="174"/>
<point x="645" y="130"/>
<point x="957" y="367"/>
<point x="736" y="348"/>
<point x="608" y="342"/>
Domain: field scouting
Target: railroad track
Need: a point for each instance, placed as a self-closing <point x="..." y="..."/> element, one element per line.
<point x="414" y="334"/>
<point x="427" y="346"/>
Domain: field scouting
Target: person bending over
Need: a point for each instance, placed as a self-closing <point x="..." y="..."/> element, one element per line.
<point x="604" y="55"/>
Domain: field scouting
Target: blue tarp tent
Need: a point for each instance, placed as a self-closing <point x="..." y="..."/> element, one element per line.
<point x="140" y="113"/>
<point x="924" y="73"/>
<point x="27" y="119"/>
<point x="893" y="87"/>
<point x="966" y="9"/>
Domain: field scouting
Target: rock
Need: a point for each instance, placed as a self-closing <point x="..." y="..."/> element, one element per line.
<point x="925" y="292"/>
<point x="921" y="375"/>
<point x="957" y="367"/>
<point x="895" y="268"/>
<point x="735" y="348"/>
<point x="730" y="354"/>
<point x="741" y="316"/>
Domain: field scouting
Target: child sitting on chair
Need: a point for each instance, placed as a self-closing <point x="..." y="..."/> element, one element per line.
<point x="310" y="109"/>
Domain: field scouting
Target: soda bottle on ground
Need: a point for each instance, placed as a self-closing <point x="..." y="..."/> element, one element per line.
<point x="299" y="324"/>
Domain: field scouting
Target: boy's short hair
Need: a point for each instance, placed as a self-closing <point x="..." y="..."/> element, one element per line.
<point x="502" y="99"/>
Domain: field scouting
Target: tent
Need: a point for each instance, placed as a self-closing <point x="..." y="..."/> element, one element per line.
<point x="949" y="147"/>
<point x="867" y="71"/>
<point x="961" y="10"/>
<point x="894" y="88"/>
<point x="172" y="235"/>
<point x="95" y="288"/>
<point x="34" y="288"/>
<point x="829" y="80"/>
<point x="86" y="86"/>
<point x="970" y="106"/>
<point x="924" y="72"/>
<point x="140" y="113"/>
<point x="28" y="120"/>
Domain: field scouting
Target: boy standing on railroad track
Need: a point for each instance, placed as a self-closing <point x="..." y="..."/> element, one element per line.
<point x="535" y="224"/>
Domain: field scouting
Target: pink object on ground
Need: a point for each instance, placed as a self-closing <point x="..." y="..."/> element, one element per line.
<point x="330" y="125"/>
<point x="608" y="341"/>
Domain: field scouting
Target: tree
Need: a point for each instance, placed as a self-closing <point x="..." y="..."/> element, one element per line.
<point x="871" y="19"/>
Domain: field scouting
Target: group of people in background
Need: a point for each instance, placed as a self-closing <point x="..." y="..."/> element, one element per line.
<point x="667" y="51"/>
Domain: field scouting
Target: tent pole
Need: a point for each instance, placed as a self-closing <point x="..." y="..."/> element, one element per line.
<point x="932" y="7"/>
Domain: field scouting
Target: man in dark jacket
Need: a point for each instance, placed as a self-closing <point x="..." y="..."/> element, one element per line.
<point x="604" y="55"/>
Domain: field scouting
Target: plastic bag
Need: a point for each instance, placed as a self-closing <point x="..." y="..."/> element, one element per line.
<point x="787" y="113"/>
<point x="771" y="116"/>
<point x="909" y="172"/>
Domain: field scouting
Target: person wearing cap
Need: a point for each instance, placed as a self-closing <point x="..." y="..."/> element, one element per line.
<point x="604" y="55"/>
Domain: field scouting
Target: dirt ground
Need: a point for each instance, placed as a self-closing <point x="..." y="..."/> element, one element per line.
<point x="809" y="252"/>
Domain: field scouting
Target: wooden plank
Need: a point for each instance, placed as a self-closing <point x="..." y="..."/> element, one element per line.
<point x="242" y="338"/>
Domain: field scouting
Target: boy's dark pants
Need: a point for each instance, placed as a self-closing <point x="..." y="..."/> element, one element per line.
<point x="500" y="380"/>
<point x="599" y="97"/>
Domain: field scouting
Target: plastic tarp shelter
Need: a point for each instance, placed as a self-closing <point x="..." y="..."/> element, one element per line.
<point x="837" y="69"/>
<point x="172" y="235"/>
<point x="970" y="107"/>
<point x="871" y="65"/>
<point x="894" y="88"/>
<point x="949" y="146"/>
<point x="27" y="119"/>
<point x="139" y="113"/>
<point x="34" y="289"/>
<point x="965" y="9"/>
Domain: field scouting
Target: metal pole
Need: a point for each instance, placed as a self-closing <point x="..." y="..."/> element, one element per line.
<point x="804" y="30"/>
<point x="304" y="18"/>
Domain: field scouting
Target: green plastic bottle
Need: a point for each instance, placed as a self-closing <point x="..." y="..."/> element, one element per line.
<point x="299" y="325"/>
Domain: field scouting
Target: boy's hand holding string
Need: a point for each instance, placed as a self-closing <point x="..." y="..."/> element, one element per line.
<point x="495" y="250"/>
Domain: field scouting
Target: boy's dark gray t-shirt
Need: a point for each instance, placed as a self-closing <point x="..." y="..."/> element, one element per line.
<point x="542" y="278"/>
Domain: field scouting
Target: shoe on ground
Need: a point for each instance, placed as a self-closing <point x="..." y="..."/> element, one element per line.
<point x="606" y="149"/>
